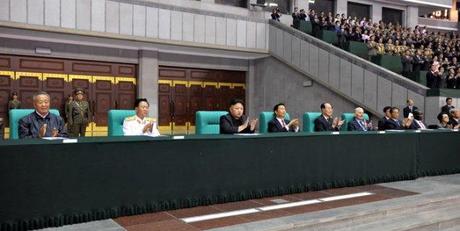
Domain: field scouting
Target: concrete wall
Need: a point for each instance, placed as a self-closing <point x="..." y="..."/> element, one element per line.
<point x="181" y="22"/>
<point x="277" y="82"/>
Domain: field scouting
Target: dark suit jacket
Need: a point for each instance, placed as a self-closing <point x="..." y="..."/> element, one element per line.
<point x="229" y="125"/>
<point x="354" y="126"/>
<point x="321" y="124"/>
<point x="381" y="124"/>
<point x="415" y="125"/>
<point x="390" y="124"/>
<point x="407" y="110"/>
<point x="453" y="122"/>
<point x="275" y="126"/>
<point x="446" y="109"/>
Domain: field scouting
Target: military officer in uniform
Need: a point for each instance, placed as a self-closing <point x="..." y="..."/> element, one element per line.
<point x="14" y="103"/>
<point x="140" y="124"/>
<point x="80" y="114"/>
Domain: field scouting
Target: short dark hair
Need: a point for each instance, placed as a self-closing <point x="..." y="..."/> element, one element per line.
<point x="275" y="108"/>
<point x="393" y="109"/>
<point x="34" y="97"/>
<point x="440" y="116"/>
<point x="235" y="101"/>
<point x="385" y="109"/>
<point x="139" y="100"/>
<point x="417" y="115"/>
<point x="448" y="98"/>
<point x="323" y="105"/>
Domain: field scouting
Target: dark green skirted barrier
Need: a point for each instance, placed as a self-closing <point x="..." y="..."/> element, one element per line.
<point x="329" y="36"/>
<point x="47" y="183"/>
<point x="358" y="48"/>
<point x="306" y="27"/>
<point x="444" y="92"/>
<point x="420" y="77"/>
<point x="390" y="62"/>
<point x="439" y="155"/>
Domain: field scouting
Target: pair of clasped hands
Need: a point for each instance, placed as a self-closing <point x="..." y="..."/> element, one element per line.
<point x="42" y="131"/>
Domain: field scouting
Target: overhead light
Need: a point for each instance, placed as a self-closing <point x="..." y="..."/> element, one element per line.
<point x="272" y="4"/>
<point x="311" y="1"/>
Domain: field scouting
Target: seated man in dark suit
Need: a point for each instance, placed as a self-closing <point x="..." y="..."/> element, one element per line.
<point x="41" y="123"/>
<point x="386" y="111"/>
<point x="446" y="108"/>
<point x="455" y="118"/>
<point x="280" y="123"/>
<point x="417" y="123"/>
<point x="359" y="123"/>
<point x="410" y="108"/>
<point x="394" y="123"/>
<point x="325" y="121"/>
<point x="235" y="121"/>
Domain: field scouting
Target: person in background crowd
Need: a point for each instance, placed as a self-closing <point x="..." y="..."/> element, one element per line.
<point x="14" y="103"/>
<point x="446" y="108"/>
<point x="276" y="15"/>
<point x="410" y="108"/>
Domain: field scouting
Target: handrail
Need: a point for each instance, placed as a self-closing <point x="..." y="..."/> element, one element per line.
<point x="380" y="71"/>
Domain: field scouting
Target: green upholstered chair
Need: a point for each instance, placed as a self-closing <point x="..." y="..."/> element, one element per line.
<point x="305" y="26"/>
<point x="264" y="118"/>
<point x="207" y="122"/>
<point x="115" y="120"/>
<point x="16" y="114"/>
<point x="347" y="117"/>
<point x="309" y="121"/>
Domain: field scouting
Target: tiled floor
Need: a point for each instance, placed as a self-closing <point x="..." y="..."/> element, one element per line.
<point x="171" y="220"/>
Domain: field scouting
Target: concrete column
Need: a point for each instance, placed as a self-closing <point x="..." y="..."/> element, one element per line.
<point x="250" y="90"/>
<point x="376" y="12"/>
<point x="412" y="16"/>
<point x="147" y="84"/>
<point x="341" y="7"/>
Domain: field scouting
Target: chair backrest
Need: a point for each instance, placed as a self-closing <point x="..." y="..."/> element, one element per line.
<point x="16" y="114"/>
<point x="115" y="121"/>
<point x="264" y="118"/>
<point x="347" y="117"/>
<point x="309" y="121"/>
<point x="207" y="122"/>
